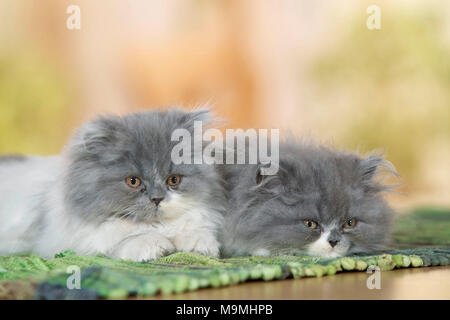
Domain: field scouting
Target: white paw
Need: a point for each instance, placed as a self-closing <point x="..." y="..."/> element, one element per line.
<point x="205" y="244"/>
<point x="143" y="247"/>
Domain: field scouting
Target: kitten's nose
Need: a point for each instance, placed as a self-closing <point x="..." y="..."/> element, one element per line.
<point x="333" y="243"/>
<point x="156" y="201"/>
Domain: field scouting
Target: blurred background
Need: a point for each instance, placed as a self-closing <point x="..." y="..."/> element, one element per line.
<point x="308" y="67"/>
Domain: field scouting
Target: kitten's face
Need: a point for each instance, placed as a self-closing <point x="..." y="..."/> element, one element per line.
<point x="122" y="168"/>
<point x="321" y="202"/>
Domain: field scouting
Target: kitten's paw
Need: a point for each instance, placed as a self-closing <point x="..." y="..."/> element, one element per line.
<point x="205" y="244"/>
<point x="143" y="247"/>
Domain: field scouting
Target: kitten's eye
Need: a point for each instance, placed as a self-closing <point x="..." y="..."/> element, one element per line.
<point x="133" y="182"/>
<point x="173" y="180"/>
<point x="350" y="223"/>
<point x="310" y="224"/>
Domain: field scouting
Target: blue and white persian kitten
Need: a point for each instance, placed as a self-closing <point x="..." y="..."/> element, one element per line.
<point x="113" y="191"/>
<point x="322" y="202"/>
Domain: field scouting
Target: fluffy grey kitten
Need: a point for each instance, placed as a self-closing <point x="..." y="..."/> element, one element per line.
<point x="322" y="202"/>
<point x="113" y="191"/>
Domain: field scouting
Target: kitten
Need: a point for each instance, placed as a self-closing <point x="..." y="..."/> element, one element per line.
<point x="322" y="202"/>
<point x="113" y="191"/>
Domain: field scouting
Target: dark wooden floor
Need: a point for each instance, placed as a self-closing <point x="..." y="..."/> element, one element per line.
<point x="418" y="283"/>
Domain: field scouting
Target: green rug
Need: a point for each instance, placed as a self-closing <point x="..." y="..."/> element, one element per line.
<point x="422" y="235"/>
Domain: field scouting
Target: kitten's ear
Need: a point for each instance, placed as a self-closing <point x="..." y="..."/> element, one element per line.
<point x="267" y="183"/>
<point x="97" y="136"/>
<point x="203" y="114"/>
<point x="189" y="118"/>
<point x="370" y="166"/>
<point x="259" y="176"/>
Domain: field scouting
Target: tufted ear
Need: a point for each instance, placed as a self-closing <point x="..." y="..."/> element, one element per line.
<point x="260" y="176"/>
<point x="370" y="166"/>
<point x="97" y="136"/>
<point x="267" y="184"/>
<point x="187" y="119"/>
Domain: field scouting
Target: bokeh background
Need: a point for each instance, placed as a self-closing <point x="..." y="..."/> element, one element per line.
<point x="308" y="67"/>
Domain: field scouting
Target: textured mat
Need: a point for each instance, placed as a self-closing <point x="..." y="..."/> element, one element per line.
<point x="423" y="227"/>
<point x="29" y="276"/>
